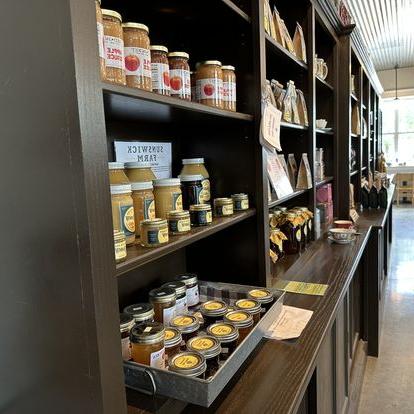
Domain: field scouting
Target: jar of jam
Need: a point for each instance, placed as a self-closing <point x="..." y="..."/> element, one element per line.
<point x="223" y="207"/>
<point x="163" y="301"/>
<point x="190" y="364"/>
<point x="123" y="217"/>
<point x="181" y="299"/>
<point x="137" y="56"/>
<point x="139" y="172"/>
<point x="263" y="296"/>
<point x="209" y="83"/>
<point x="191" y="282"/>
<point x="114" y="47"/>
<point x="213" y="311"/>
<point x="154" y="232"/>
<point x="277" y="239"/>
<point x="141" y="312"/>
<point x="179" y="222"/>
<point x="252" y="306"/>
<point x="168" y="196"/>
<point x="210" y="348"/>
<point x="117" y="174"/>
<point x="160" y="70"/>
<point x="309" y="222"/>
<point x="196" y="166"/>
<point x="126" y="324"/>
<point x="242" y="320"/>
<point x="291" y="229"/>
<point x="192" y="189"/>
<point x="276" y="219"/>
<point x="120" y="246"/>
<point x="188" y="325"/>
<point x="180" y="82"/>
<point x="172" y="341"/>
<point x="227" y="334"/>
<point x="147" y="344"/>
<point x="101" y="45"/>
<point x="302" y="220"/>
<point x="144" y="204"/>
<point x="200" y="215"/>
<point x="240" y="202"/>
<point x="229" y="88"/>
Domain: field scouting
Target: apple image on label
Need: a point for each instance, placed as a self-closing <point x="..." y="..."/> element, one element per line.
<point x="208" y="89"/>
<point x="166" y="77"/>
<point x="132" y="63"/>
<point x="176" y="83"/>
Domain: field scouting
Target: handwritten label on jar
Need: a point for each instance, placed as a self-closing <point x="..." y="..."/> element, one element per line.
<point x="160" y="77"/>
<point x="114" y="52"/>
<point x="168" y="314"/>
<point x="298" y="235"/>
<point x="157" y="359"/>
<point x="177" y="201"/>
<point x="305" y="230"/>
<point x="237" y="317"/>
<point x="206" y="189"/>
<point x="186" y="361"/>
<point x="137" y="62"/>
<point x="149" y="209"/>
<point x="229" y="92"/>
<point x="120" y="249"/>
<point x="181" y="305"/>
<point x="193" y="296"/>
<point x="126" y="350"/>
<point x="210" y="88"/>
<point x="310" y="225"/>
<point x="221" y="330"/>
<point x="127" y="220"/>
<point x="202" y="344"/>
<point x="180" y="83"/>
<point x="100" y="29"/>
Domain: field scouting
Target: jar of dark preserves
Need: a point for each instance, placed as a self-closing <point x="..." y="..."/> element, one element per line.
<point x="126" y="324"/>
<point x="213" y="311"/>
<point x="264" y="296"/>
<point x="291" y="229"/>
<point x="191" y="282"/>
<point x="190" y="364"/>
<point x="188" y="325"/>
<point x="163" y="301"/>
<point x="227" y="334"/>
<point x="181" y="299"/>
<point x="242" y="320"/>
<point x="192" y="190"/>
<point x="252" y="306"/>
<point x="210" y="348"/>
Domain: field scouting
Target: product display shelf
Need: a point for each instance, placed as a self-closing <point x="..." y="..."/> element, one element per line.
<point x="289" y="125"/>
<point x="324" y="83"/>
<point x="352" y="173"/>
<point x="324" y="131"/>
<point x="354" y="97"/>
<point x="237" y="10"/>
<point x="282" y="200"/>
<point x="354" y="135"/>
<point x="326" y="180"/>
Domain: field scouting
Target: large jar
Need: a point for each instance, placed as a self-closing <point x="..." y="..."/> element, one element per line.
<point x="123" y="217"/>
<point x="291" y="229"/>
<point x="196" y="166"/>
<point x="114" y="47"/>
<point x="144" y="205"/>
<point x="137" y="56"/>
<point x="168" y="196"/>
<point x="160" y="70"/>
<point x="209" y="83"/>
<point x="180" y="81"/>
<point x="139" y="172"/>
<point x="101" y="44"/>
<point x="117" y="174"/>
<point x="163" y="301"/>
<point x="192" y="189"/>
<point x="229" y="88"/>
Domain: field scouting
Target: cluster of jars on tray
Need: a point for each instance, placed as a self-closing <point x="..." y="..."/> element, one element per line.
<point x="175" y="331"/>
<point x="128" y="58"/>
<point x="290" y="231"/>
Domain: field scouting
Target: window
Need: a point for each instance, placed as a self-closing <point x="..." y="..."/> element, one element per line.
<point x="398" y="130"/>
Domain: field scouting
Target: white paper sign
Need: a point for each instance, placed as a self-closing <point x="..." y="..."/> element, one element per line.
<point x="270" y="127"/>
<point x="157" y="154"/>
<point x="277" y="176"/>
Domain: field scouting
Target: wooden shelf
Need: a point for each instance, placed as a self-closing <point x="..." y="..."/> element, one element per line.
<point x="279" y="201"/>
<point x="363" y="106"/>
<point x="138" y="255"/>
<point x="324" y="131"/>
<point x="354" y="97"/>
<point x="352" y="173"/>
<point x="288" y="125"/>
<point x="363" y="168"/>
<point x="324" y="83"/>
<point x="281" y="51"/>
<point x="237" y="10"/>
<point x="354" y="135"/>
<point x="324" y="181"/>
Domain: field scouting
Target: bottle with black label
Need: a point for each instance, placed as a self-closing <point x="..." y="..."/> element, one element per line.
<point x="373" y="197"/>
<point x="364" y="197"/>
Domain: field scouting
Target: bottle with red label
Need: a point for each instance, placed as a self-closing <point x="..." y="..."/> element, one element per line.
<point x="209" y="83"/>
<point x="160" y="70"/>
<point x="180" y="82"/>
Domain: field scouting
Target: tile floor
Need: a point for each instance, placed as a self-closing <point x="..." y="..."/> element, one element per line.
<point x="389" y="380"/>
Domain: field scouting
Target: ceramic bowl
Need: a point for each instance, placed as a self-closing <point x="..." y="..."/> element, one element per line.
<point x="342" y="234"/>
<point x="321" y="123"/>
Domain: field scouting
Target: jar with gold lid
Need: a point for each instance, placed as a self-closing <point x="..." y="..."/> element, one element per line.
<point x="291" y="228"/>
<point x="139" y="172"/>
<point x="168" y="196"/>
<point x="190" y="364"/>
<point x="240" y="202"/>
<point x="251" y="306"/>
<point x="181" y="299"/>
<point x="302" y="219"/>
<point x="154" y="232"/>
<point x="209" y="83"/>
<point x="188" y="325"/>
<point x="309" y="222"/>
<point x="200" y="215"/>
<point x="120" y="246"/>
<point x="227" y="334"/>
<point x="141" y="312"/>
<point x="263" y="296"/>
<point x="210" y="347"/>
<point x="160" y="70"/>
<point x="179" y="222"/>
<point x="163" y="300"/>
<point x="180" y="82"/>
<point x="277" y="238"/>
<point x="242" y="320"/>
<point x="197" y="166"/>
<point x="191" y="283"/>
<point x="223" y="207"/>
<point x="213" y="311"/>
<point x="126" y="324"/>
<point x="172" y="341"/>
<point x="117" y="174"/>
<point x="144" y="204"/>
<point x="229" y="88"/>
<point x="101" y="44"/>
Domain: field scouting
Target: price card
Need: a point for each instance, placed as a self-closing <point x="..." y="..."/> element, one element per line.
<point x="270" y="127"/>
<point x="277" y="176"/>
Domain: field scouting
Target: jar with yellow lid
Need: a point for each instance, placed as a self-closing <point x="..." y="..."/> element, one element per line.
<point x="172" y="341"/>
<point x="114" y="47"/>
<point x="144" y="204"/>
<point x="263" y="296"/>
<point x="141" y="312"/>
<point x="180" y="81"/>
<point x="200" y="215"/>
<point x="252" y="306"/>
<point x="227" y="334"/>
<point x="213" y="311"/>
<point x="101" y="44"/>
<point x="195" y="166"/>
<point x="160" y="70"/>
<point x="117" y="174"/>
<point x="223" y="207"/>
<point x="210" y="347"/>
<point x="209" y="83"/>
<point x="126" y="324"/>
<point x="139" y="172"/>
<point x="188" y="325"/>
<point x="277" y="238"/>
<point x="242" y="320"/>
<point x="179" y="222"/>
<point x="276" y="219"/>
<point x="190" y="364"/>
<point x="120" y="246"/>
<point x="180" y="288"/>
<point x="163" y="300"/>
<point x="137" y="56"/>
<point x="240" y="202"/>
<point x="229" y="88"/>
<point x="154" y="232"/>
<point x="291" y="228"/>
<point x="123" y="217"/>
<point x="168" y="196"/>
<point x="147" y="344"/>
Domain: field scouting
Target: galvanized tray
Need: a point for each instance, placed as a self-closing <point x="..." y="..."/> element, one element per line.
<point x="154" y="381"/>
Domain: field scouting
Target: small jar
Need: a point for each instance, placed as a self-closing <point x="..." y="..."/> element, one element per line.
<point x="188" y="325"/>
<point x="144" y="204"/>
<point x="160" y="70"/>
<point x="210" y="348"/>
<point x="252" y="306"/>
<point x="137" y="56"/>
<point x="200" y="215"/>
<point x="240" y="202"/>
<point x="126" y="324"/>
<point x="209" y="83"/>
<point x="223" y="207"/>
<point x="193" y="166"/>
<point x="139" y="172"/>
<point x="117" y="174"/>
<point x="190" y="364"/>
<point x="292" y="230"/>
<point x="172" y="341"/>
<point x="242" y="320"/>
<point x="154" y="232"/>
<point x="308" y="215"/>
<point x="180" y="82"/>
<point x="227" y="334"/>
<point x="191" y="282"/>
<point x="180" y="288"/>
<point x="123" y="217"/>
<point x="277" y="239"/>
<point x="229" y="88"/>
<point x="101" y="44"/>
<point x="263" y="296"/>
<point x="141" y="312"/>
<point x="114" y="47"/>
<point x="147" y="344"/>
<point x="163" y="301"/>
<point x="168" y="196"/>
<point x="192" y="189"/>
<point x="213" y="311"/>
<point x="120" y="246"/>
<point x="179" y="222"/>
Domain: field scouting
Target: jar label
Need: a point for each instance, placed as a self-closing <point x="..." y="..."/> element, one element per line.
<point x="169" y="334"/>
<point x="237" y="316"/>
<point x="310" y="225"/>
<point x="193" y="296"/>
<point x="168" y="314"/>
<point x="127" y="220"/>
<point x="180" y="83"/>
<point x="157" y="359"/>
<point x="149" y="209"/>
<point x="221" y="330"/>
<point x="114" y="52"/>
<point x="213" y="306"/>
<point x="202" y="344"/>
<point x="100" y="29"/>
<point x="206" y="190"/>
<point x="241" y="204"/>
<point x="305" y="230"/>
<point x="186" y="361"/>
<point x="209" y="88"/>
<point x="298" y="235"/>
<point x="126" y="350"/>
<point x="181" y="307"/>
<point x="137" y="62"/>
<point x="258" y="293"/>
<point x="224" y="210"/>
<point x="177" y="201"/>
<point x="246" y="304"/>
<point x="160" y="74"/>
<point x="120" y="249"/>
<point x="229" y="91"/>
<point x="157" y="236"/>
<point x="182" y="320"/>
<point x="209" y="217"/>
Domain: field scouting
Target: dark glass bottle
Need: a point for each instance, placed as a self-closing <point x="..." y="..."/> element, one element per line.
<point x="383" y="197"/>
<point x="365" y="197"/>
<point x="373" y="197"/>
<point x="292" y="230"/>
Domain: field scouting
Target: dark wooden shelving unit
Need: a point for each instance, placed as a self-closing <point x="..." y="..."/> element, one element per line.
<point x="320" y="81"/>
<point x="282" y="200"/>
<point x="324" y="131"/>
<point x="288" y="125"/>
<point x="326" y="180"/>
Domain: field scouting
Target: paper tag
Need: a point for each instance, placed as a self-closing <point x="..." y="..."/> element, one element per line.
<point x="270" y="126"/>
<point x="157" y="359"/>
<point x="181" y="306"/>
<point x="302" y="287"/>
<point x="354" y="215"/>
<point x="126" y="350"/>
<point x="168" y="314"/>
<point x="193" y="296"/>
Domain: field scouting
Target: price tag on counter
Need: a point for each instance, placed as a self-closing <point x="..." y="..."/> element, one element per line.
<point x="303" y="288"/>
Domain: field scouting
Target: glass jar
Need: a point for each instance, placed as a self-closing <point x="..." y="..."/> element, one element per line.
<point x="180" y="82"/>
<point x="137" y="56"/>
<point x="123" y="218"/>
<point x="114" y="47"/>
<point x="168" y="196"/>
<point x="154" y="232"/>
<point x="147" y="344"/>
<point x="139" y="172"/>
<point x="160" y="70"/>
<point x="213" y="311"/>
<point x="229" y="88"/>
<point x="191" y="282"/>
<point x="309" y="222"/>
<point x="141" y="312"/>
<point x="252" y="306"/>
<point x="240" y="202"/>
<point x="188" y="325"/>
<point x="179" y="222"/>
<point x="227" y="334"/>
<point x="120" y="246"/>
<point x="223" y="207"/>
<point x="144" y="204"/>
<point x="200" y="215"/>
<point x="117" y="174"/>
<point x="291" y="229"/>
<point x="172" y="341"/>
<point x="126" y="324"/>
<point x="192" y="189"/>
<point x="276" y="219"/>
<point x="263" y="296"/>
<point x="196" y="166"/>
<point x="209" y="83"/>
<point x="242" y="320"/>
<point x="163" y="301"/>
<point x="277" y="239"/>
<point x="210" y="348"/>
<point x="302" y="220"/>
<point x="190" y="364"/>
<point x="181" y="299"/>
<point x="101" y="44"/>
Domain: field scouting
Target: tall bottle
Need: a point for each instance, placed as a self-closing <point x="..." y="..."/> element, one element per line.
<point x="373" y="197"/>
<point x="364" y="197"/>
<point x="383" y="197"/>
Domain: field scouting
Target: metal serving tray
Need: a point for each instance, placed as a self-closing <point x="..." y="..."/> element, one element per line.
<point x="154" y="381"/>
